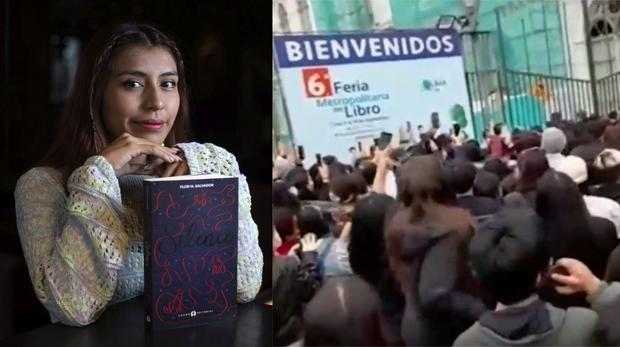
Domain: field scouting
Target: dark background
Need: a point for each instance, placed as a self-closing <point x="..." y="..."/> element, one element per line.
<point x="227" y="52"/>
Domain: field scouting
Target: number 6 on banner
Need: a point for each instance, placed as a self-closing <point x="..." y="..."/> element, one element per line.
<point x="317" y="82"/>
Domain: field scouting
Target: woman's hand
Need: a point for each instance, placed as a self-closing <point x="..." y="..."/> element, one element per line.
<point x="384" y="165"/>
<point x="578" y="279"/>
<point x="324" y="172"/>
<point x="173" y="169"/>
<point x="129" y="154"/>
<point x="309" y="243"/>
<point x="382" y="158"/>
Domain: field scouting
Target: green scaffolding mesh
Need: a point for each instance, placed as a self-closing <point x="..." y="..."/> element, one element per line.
<point x="532" y="31"/>
<point x="342" y="15"/>
<point x="531" y="40"/>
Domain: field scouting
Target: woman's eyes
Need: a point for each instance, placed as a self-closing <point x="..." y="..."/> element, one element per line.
<point x="169" y="84"/>
<point x="131" y="84"/>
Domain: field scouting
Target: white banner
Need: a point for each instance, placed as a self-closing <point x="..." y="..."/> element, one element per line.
<point x="344" y="90"/>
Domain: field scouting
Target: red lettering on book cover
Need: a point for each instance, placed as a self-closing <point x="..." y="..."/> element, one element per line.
<point x="199" y="223"/>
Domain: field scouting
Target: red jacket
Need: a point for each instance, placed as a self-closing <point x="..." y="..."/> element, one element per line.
<point x="497" y="147"/>
<point x="286" y="246"/>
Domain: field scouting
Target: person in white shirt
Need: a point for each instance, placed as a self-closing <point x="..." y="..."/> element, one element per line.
<point x="458" y="135"/>
<point x="354" y="156"/>
<point x="420" y="133"/>
<point x="406" y="134"/>
<point x="553" y="143"/>
<point x="575" y="168"/>
<point x="281" y="166"/>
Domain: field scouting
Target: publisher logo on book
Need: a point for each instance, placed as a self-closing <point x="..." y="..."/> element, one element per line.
<point x="317" y="82"/>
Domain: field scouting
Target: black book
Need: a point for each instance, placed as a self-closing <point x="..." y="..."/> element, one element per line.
<point x="190" y="250"/>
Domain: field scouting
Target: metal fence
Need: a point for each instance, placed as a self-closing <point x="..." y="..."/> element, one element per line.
<point x="535" y="96"/>
<point x="540" y="66"/>
<point x="524" y="60"/>
<point x="486" y="105"/>
<point x="608" y="93"/>
<point x="524" y="100"/>
<point x="533" y="63"/>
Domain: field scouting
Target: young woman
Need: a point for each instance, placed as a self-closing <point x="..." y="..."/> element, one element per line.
<point x="78" y="211"/>
<point x="426" y="247"/>
<point x="369" y="260"/>
<point x="570" y="230"/>
<point x="531" y="165"/>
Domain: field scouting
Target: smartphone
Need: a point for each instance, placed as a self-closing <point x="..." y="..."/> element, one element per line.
<point x="435" y="120"/>
<point x="555" y="268"/>
<point x="384" y="140"/>
<point x="318" y="159"/>
<point x="300" y="153"/>
<point x="559" y="269"/>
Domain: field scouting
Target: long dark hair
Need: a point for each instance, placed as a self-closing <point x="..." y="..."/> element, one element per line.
<point x="422" y="211"/>
<point x="310" y="220"/>
<point x="418" y="182"/>
<point x="81" y="133"/>
<point x="611" y="136"/>
<point x="532" y="164"/>
<point x="565" y="217"/>
<point x="367" y="247"/>
<point x="346" y="311"/>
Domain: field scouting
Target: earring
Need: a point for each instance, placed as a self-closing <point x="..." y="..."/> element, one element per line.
<point x="163" y="145"/>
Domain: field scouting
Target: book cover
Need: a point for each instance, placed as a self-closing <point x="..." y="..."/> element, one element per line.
<point x="190" y="250"/>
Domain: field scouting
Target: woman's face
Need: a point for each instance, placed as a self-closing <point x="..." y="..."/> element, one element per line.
<point x="141" y="96"/>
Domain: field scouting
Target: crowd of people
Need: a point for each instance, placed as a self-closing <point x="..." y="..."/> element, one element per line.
<point x="512" y="241"/>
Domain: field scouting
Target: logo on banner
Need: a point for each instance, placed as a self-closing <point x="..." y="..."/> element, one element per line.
<point x="433" y="86"/>
<point x="317" y="82"/>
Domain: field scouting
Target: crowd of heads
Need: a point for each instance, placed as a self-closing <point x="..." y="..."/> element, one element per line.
<point x="414" y="228"/>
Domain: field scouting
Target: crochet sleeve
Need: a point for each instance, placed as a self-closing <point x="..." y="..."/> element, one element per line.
<point x="73" y="241"/>
<point x="210" y="159"/>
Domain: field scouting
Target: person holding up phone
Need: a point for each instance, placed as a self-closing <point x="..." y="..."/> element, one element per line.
<point x="301" y="154"/>
<point x="435" y="123"/>
<point x="385" y="179"/>
<point x="384" y="140"/>
<point x="458" y="135"/>
<point x="320" y="177"/>
<point x="354" y="156"/>
<point x="421" y="132"/>
<point x="406" y="134"/>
